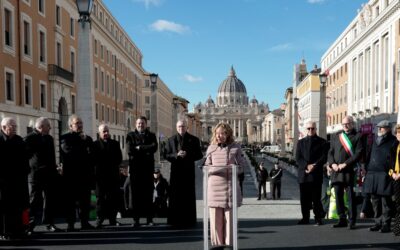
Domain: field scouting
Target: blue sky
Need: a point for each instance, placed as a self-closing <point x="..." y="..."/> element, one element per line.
<point x="192" y="44"/>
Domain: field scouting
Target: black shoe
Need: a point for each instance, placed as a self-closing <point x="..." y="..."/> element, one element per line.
<point x="136" y="225"/>
<point x="319" y="222"/>
<point x="87" y="226"/>
<point x="341" y="223"/>
<point x="385" y="229"/>
<point x="53" y="228"/>
<point x="352" y="226"/>
<point x="115" y="223"/>
<point x="375" y="228"/>
<point x="303" y="222"/>
<point x="258" y="198"/>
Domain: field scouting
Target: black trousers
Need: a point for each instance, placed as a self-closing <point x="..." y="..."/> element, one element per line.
<point x="276" y="189"/>
<point x="107" y="201"/>
<point x="383" y="209"/>
<point x="42" y="184"/>
<point x="262" y="189"/>
<point x="78" y="194"/>
<point x="310" y="198"/>
<point x="341" y="210"/>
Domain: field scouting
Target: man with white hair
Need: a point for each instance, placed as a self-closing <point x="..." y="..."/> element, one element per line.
<point x="44" y="175"/>
<point x="107" y="157"/>
<point x="345" y="152"/>
<point x="14" y="170"/>
<point x="182" y="150"/>
<point x="78" y="172"/>
<point x="378" y="184"/>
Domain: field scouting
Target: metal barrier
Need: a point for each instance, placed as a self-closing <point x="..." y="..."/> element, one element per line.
<point x="234" y="205"/>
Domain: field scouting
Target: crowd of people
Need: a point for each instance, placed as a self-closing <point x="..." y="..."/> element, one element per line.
<point x="34" y="189"/>
<point x="353" y="165"/>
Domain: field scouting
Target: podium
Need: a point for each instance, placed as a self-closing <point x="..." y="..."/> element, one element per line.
<point x="215" y="170"/>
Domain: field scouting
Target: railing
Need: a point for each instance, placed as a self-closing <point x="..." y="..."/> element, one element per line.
<point x="55" y="70"/>
<point x="128" y="105"/>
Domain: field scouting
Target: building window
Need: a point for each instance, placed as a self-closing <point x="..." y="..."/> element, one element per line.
<point x="101" y="52"/>
<point x="72" y="27"/>
<point x="43" y="95"/>
<point x="27" y="38"/>
<point x="102" y="81"/>
<point x="8" y="28"/>
<point x="108" y="85"/>
<point x="41" y="6"/>
<point x="102" y="112"/>
<point x="73" y="62"/>
<point x="59" y="54"/>
<point x="147" y="99"/>
<point x="96" y="78"/>
<point x="42" y="47"/>
<point x="108" y="114"/>
<point x="58" y="15"/>
<point x="10" y="86"/>
<point x="146" y="83"/>
<point x="97" y="111"/>
<point x="95" y="47"/>
<point x="147" y="114"/>
<point x="28" y="91"/>
<point x="73" y="104"/>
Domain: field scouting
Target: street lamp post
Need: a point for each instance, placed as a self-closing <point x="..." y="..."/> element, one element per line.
<point x="283" y="148"/>
<point x="295" y="125"/>
<point x="85" y="90"/>
<point x="154" y="109"/>
<point x="322" y="105"/>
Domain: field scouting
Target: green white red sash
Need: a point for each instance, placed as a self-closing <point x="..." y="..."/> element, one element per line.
<point x="348" y="147"/>
<point x="346" y="143"/>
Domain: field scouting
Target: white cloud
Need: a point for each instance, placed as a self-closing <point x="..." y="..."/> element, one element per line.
<point x="164" y="25"/>
<point x="190" y="78"/>
<point x="281" y="47"/>
<point x="148" y="3"/>
<point x="316" y="1"/>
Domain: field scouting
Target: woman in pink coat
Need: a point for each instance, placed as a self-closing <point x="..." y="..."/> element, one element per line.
<point x="223" y="151"/>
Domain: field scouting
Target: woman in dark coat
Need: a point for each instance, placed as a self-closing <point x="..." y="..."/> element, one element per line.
<point x="394" y="172"/>
<point x="182" y="150"/>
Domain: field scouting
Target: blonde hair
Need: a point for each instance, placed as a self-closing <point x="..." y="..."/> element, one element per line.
<point x="228" y="131"/>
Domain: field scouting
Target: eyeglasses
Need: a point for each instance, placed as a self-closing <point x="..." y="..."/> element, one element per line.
<point x="310" y="128"/>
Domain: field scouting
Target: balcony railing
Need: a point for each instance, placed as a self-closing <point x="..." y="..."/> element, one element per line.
<point x="55" y="70"/>
<point x="128" y="105"/>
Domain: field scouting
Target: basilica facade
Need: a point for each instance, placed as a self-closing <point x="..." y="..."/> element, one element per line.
<point x="232" y="106"/>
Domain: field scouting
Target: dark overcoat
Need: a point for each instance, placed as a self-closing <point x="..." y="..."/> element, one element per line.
<point x="77" y="159"/>
<point x="107" y="158"/>
<point x="14" y="195"/>
<point x="377" y="180"/>
<point x="338" y="155"/>
<point x="141" y="149"/>
<point x="311" y="150"/>
<point x="182" y="195"/>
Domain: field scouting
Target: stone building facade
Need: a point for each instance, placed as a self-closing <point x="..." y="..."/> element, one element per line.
<point x="232" y="106"/>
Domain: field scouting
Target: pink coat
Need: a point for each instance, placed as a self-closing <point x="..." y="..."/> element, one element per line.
<point x="220" y="180"/>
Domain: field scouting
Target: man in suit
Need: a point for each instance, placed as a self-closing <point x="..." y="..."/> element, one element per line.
<point x="345" y="151"/>
<point x="141" y="146"/>
<point x="107" y="156"/>
<point x="311" y="155"/>
<point x="78" y="172"/>
<point x="182" y="150"/>
<point x="44" y="176"/>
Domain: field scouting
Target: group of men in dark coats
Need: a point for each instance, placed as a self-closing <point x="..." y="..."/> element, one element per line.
<point x="182" y="150"/>
<point x="343" y="158"/>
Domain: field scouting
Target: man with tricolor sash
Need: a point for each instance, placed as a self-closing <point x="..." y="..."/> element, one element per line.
<point x="344" y="153"/>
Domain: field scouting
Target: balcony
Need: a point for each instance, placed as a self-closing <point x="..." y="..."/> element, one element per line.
<point x="128" y="105"/>
<point x="56" y="71"/>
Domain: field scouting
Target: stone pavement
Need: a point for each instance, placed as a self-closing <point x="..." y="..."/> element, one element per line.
<point x="264" y="224"/>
